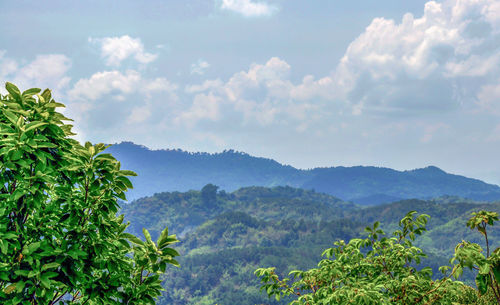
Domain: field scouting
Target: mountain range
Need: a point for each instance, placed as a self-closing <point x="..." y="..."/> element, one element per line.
<point x="178" y="170"/>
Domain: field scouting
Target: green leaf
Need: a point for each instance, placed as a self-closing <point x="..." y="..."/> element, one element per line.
<point x="55" y="105"/>
<point x="50" y="266"/>
<point x="22" y="272"/>
<point x="10" y="116"/>
<point x="484" y="268"/>
<point x="482" y="282"/>
<point x="46" y="94"/>
<point x="127" y="173"/>
<point x="13" y="90"/>
<point x="133" y="239"/>
<point x="31" y="92"/>
<point x="496" y="272"/>
<point x="170" y="251"/>
<point x="10" y="235"/>
<point x="33" y="125"/>
<point x="108" y="157"/>
<point x="174" y="262"/>
<point x="125" y="181"/>
<point x="45" y="279"/>
<point x="31" y="248"/>
<point x="4" y="246"/>
<point x="20" y="286"/>
<point x="147" y="235"/>
<point x="162" y="237"/>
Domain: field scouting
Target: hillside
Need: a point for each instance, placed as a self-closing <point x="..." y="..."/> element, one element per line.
<point x="182" y="212"/>
<point x="225" y="239"/>
<point x="177" y="170"/>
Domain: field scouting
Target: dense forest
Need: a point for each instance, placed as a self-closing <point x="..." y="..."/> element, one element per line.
<point x="177" y="170"/>
<point x="226" y="236"/>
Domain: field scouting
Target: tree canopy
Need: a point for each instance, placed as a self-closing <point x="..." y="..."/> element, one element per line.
<point x="383" y="270"/>
<point x="60" y="238"/>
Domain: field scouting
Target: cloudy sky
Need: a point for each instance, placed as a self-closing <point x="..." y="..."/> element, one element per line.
<point x="400" y="84"/>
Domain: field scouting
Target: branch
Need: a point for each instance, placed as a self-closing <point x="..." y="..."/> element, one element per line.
<point x="443" y="280"/>
<point x="487" y="243"/>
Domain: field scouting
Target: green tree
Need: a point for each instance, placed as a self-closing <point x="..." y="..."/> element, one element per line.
<point x="470" y="255"/>
<point x="209" y="195"/>
<point x="60" y="239"/>
<point x="375" y="270"/>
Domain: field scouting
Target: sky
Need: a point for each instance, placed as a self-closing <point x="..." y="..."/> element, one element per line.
<point x="399" y="84"/>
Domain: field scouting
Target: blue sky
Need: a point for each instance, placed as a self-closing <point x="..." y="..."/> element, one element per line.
<point x="401" y="84"/>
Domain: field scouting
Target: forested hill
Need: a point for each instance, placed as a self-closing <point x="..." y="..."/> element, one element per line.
<point x="177" y="170"/>
<point x="226" y="236"/>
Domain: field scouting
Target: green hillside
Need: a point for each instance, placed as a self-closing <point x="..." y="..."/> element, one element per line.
<point x="224" y="240"/>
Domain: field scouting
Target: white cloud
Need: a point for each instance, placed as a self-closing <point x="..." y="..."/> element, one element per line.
<point x="114" y="50"/>
<point x="249" y="8"/>
<point x="445" y="61"/>
<point x="251" y="94"/>
<point x="474" y="66"/>
<point x="262" y="95"/>
<point x="207" y="85"/>
<point x="160" y="84"/>
<point x="120" y="84"/>
<point x="310" y="88"/>
<point x="7" y="65"/>
<point x="109" y="104"/>
<point x="139" y="114"/>
<point x="106" y="82"/>
<point x="199" y="67"/>
<point x="430" y="130"/>
<point x="488" y="98"/>
<point x="422" y="64"/>
<point x="45" y="71"/>
<point x="205" y="106"/>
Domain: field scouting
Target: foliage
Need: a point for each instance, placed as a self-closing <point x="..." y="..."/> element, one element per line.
<point x="209" y="195"/>
<point x="60" y="239"/>
<point x="446" y="226"/>
<point x="469" y="255"/>
<point x="219" y="256"/>
<point x="374" y="270"/>
<point x="182" y="212"/>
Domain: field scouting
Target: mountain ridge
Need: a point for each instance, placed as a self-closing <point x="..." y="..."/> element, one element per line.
<point x="178" y="170"/>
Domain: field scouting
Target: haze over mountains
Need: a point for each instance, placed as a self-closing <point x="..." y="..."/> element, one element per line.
<point x="177" y="170"/>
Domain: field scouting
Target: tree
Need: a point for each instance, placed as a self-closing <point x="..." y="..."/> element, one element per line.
<point x="60" y="239"/>
<point x="470" y="255"/>
<point x="209" y="195"/>
<point x="383" y="270"/>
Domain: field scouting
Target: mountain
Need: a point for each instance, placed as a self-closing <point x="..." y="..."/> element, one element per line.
<point x="177" y="170"/>
<point x="225" y="239"/>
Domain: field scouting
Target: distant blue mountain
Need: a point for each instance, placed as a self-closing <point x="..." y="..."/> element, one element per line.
<point x="177" y="170"/>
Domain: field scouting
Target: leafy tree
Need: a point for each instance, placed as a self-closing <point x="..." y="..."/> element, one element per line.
<point x="209" y="195"/>
<point x="470" y="255"/>
<point x="60" y="239"/>
<point x="375" y="270"/>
